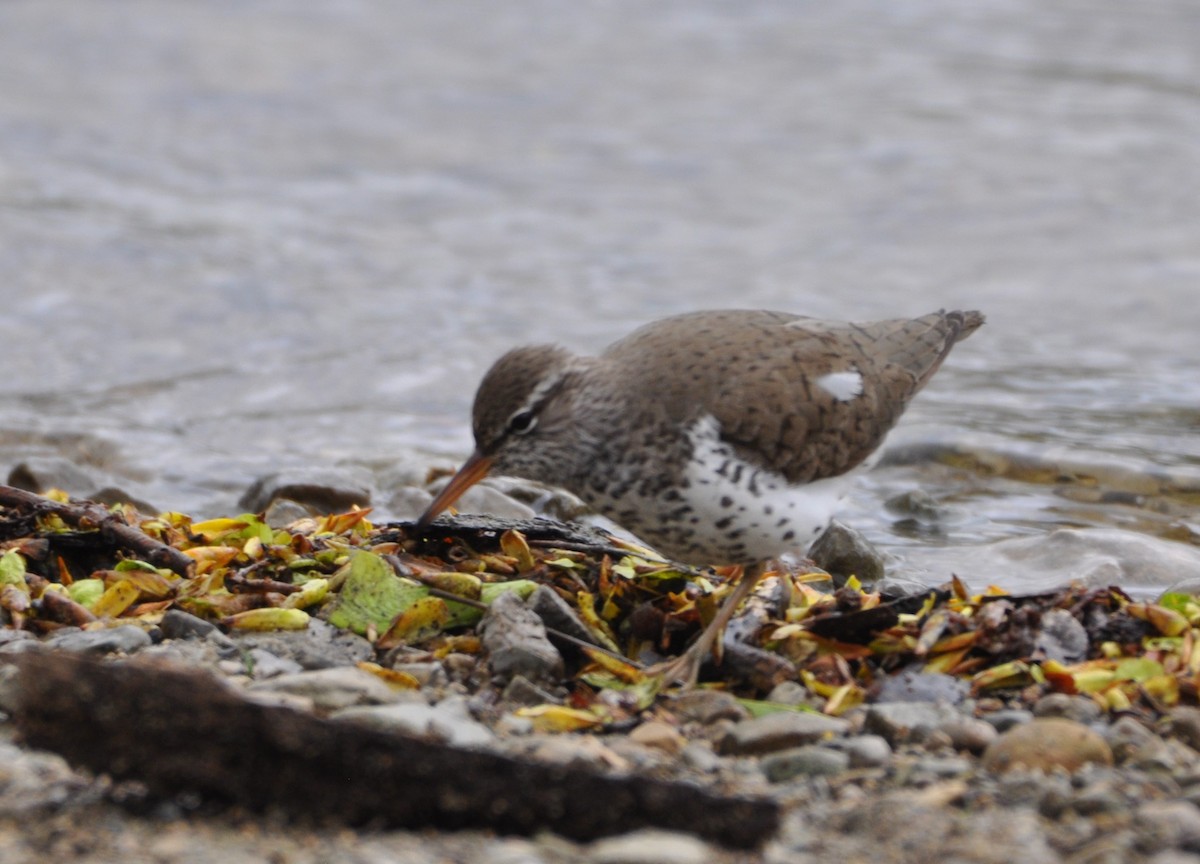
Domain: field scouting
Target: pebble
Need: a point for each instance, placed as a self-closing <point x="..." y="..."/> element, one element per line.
<point x="781" y="730"/>
<point x="1184" y="724"/>
<point x="264" y="664"/>
<point x="317" y="490"/>
<point x="843" y="552"/>
<point x="905" y="722"/>
<point x="1007" y="718"/>
<point x="788" y="693"/>
<point x="125" y="639"/>
<point x="177" y="624"/>
<point x="1167" y="825"/>
<point x="555" y="612"/>
<point x="32" y="781"/>
<point x="708" y="706"/>
<point x="429" y="674"/>
<point x="809" y="760"/>
<point x="1047" y="743"/>
<point x="318" y="646"/>
<point x="332" y="689"/>
<point x="449" y="720"/>
<point x="1082" y="709"/>
<point x="516" y="643"/>
<point x="1061" y="637"/>
<point x="865" y="751"/>
<point x="650" y="847"/>
<point x="660" y="736"/>
<point x="968" y="733"/>
<point x="916" y="686"/>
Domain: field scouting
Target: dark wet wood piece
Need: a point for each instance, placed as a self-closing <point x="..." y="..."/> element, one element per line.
<point x="178" y="730"/>
<point x="112" y="529"/>
<point x="482" y="533"/>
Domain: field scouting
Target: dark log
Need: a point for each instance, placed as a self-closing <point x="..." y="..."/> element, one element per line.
<point x="178" y="730"/>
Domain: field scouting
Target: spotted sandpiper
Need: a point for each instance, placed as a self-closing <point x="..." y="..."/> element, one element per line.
<point x="719" y="437"/>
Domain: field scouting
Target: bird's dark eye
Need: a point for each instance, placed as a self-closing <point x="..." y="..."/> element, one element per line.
<point x="521" y="422"/>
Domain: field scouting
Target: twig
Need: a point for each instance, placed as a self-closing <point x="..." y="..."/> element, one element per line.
<point x="112" y="527"/>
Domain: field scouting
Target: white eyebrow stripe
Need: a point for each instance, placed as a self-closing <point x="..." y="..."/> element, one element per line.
<point x="842" y="386"/>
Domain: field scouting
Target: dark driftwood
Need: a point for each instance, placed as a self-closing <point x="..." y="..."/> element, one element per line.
<point x="178" y="730"/>
<point x="483" y="532"/>
<point x="113" y="530"/>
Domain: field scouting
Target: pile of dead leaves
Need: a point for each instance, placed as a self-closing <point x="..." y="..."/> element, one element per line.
<point x="66" y="563"/>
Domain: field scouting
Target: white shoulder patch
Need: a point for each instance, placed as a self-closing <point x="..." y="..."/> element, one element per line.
<point x="842" y="386"/>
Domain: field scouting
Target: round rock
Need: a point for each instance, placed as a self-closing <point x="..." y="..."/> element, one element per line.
<point x="1047" y="743"/>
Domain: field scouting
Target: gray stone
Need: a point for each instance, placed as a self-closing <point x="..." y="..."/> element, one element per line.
<point x="1132" y="743"/>
<point x="521" y="691"/>
<point x="1006" y="718"/>
<point x="789" y="693"/>
<point x="1061" y="637"/>
<point x="40" y="474"/>
<point x="331" y="689"/>
<point x="651" y="846"/>
<point x="901" y="722"/>
<point x="708" y="706"/>
<point x="177" y="624"/>
<point x="810" y="760"/>
<point x="555" y="612"/>
<point x="1167" y="825"/>
<point x="318" y="646"/>
<point x="912" y="685"/>
<point x="1184" y="724"/>
<point x="865" y="751"/>
<point x="935" y="768"/>
<point x="968" y="733"/>
<point x="449" y="721"/>
<point x="699" y="756"/>
<point x="1081" y="709"/>
<point x="844" y="552"/>
<point x="781" y="730"/>
<point x="516" y="644"/>
<point x="317" y="490"/>
<point x="429" y="674"/>
<point x="263" y="664"/>
<point x="486" y="499"/>
<point x="125" y="639"/>
<point x="33" y="781"/>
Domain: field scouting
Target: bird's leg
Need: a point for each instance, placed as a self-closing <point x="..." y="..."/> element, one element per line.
<point x="685" y="668"/>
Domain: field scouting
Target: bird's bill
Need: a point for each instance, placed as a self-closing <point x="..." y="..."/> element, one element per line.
<point x="472" y="471"/>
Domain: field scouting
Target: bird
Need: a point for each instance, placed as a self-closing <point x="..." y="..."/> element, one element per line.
<point x="718" y="437"/>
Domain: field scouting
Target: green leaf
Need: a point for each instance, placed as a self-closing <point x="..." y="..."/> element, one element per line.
<point x="86" y="592"/>
<point x="1138" y="669"/>
<point x="761" y="708"/>
<point x="12" y="569"/>
<point x="462" y="615"/>
<point x="372" y="594"/>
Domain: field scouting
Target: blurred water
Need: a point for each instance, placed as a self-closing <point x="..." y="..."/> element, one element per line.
<point x="241" y="236"/>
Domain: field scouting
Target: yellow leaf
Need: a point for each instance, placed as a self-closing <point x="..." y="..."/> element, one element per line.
<point x="558" y="718"/>
<point x="844" y="698"/>
<point x="211" y="529"/>
<point x="514" y="545"/>
<point x="211" y="557"/>
<point x="116" y="599"/>
<point x="424" y="618"/>
<point x="395" y="678"/>
<point x="268" y="619"/>
<point x="625" y="671"/>
<point x="310" y="594"/>
<point x="598" y="626"/>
